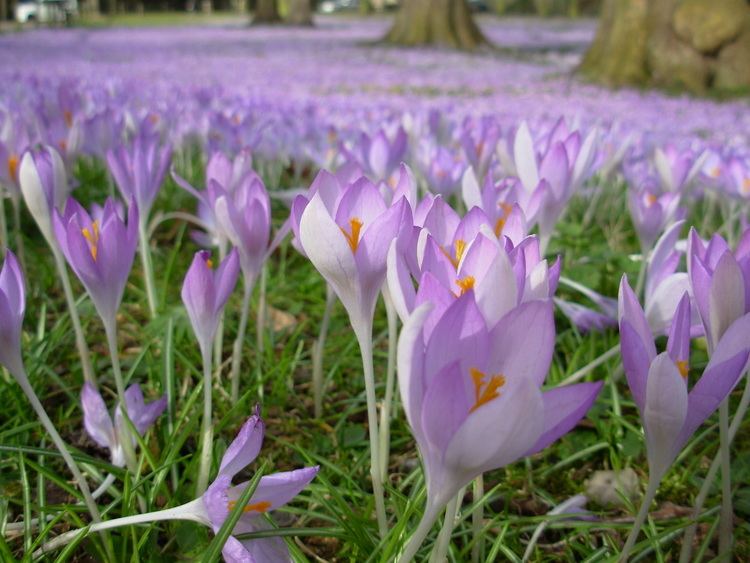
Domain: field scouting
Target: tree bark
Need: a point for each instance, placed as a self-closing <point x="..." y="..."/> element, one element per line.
<point x="266" y="11"/>
<point x="300" y="13"/>
<point x="435" y="22"/>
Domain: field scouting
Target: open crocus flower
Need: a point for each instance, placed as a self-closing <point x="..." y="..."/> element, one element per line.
<point x="44" y="185"/>
<point x="471" y="391"/>
<point x="347" y="240"/>
<point x="659" y="382"/>
<point x="205" y="291"/>
<point x="380" y="155"/>
<point x="139" y="169"/>
<point x="108" y="433"/>
<point x="499" y="203"/>
<point x="676" y="169"/>
<point x="479" y="143"/>
<point x="99" y="250"/>
<point x="651" y="214"/>
<point x="273" y="491"/>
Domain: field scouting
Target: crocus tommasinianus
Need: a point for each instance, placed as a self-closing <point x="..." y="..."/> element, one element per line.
<point x="205" y="292"/>
<point x="381" y="155"/>
<point x="12" y="308"/>
<point x="44" y="185"/>
<point x="659" y="382"/>
<point x="108" y="433"/>
<point x="139" y="169"/>
<point x="676" y="169"/>
<point x="472" y="391"/>
<point x="99" y="250"/>
<point x="651" y="214"/>
<point x="347" y="241"/>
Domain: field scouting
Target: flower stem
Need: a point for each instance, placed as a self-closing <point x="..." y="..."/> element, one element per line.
<point x="239" y="341"/>
<point x="417" y="539"/>
<point x="739" y="415"/>
<point x="3" y="223"/>
<point x="189" y="511"/>
<point x="17" y="232"/>
<point x="219" y="336"/>
<point x="102" y="488"/>
<point x="727" y="516"/>
<point x="317" y="352"/>
<point x="477" y="517"/>
<point x="585" y="370"/>
<point x="365" y="348"/>
<point x="207" y="430"/>
<point x="390" y="381"/>
<point x="83" y="349"/>
<point x="642" y="271"/>
<point x="148" y="270"/>
<point x="261" y="319"/>
<point x="653" y="485"/>
<point x="444" y="537"/>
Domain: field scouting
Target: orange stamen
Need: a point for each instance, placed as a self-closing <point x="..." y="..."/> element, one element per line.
<point x="650" y="199"/>
<point x="682" y="366"/>
<point x="500" y="224"/>
<point x="746" y="186"/>
<point x="13" y="166"/>
<point x="460" y="247"/>
<point x="261" y="506"/>
<point x="465" y="284"/>
<point x="485" y="391"/>
<point x="353" y="237"/>
<point x="68" y="117"/>
<point x="92" y="236"/>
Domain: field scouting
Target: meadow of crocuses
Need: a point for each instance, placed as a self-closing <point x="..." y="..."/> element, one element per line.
<point x="275" y="294"/>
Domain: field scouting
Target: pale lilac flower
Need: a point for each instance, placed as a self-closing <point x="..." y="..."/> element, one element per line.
<point x="44" y="185"/>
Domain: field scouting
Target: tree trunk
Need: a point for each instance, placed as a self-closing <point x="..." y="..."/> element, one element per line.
<point x="300" y="13"/>
<point x="266" y="11"/>
<point x="673" y="44"/>
<point x="435" y="22"/>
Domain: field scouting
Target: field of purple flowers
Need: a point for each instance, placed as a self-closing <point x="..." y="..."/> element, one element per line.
<point x="478" y="309"/>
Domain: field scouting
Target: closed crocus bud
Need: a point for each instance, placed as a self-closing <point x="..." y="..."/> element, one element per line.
<point x="206" y="290"/>
<point x="12" y="307"/>
<point x="99" y="250"/>
<point x="44" y="186"/>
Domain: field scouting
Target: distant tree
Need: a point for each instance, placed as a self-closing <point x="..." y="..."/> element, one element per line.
<point x="675" y="44"/>
<point x="300" y="13"/>
<point x="266" y="11"/>
<point x="435" y="22"/>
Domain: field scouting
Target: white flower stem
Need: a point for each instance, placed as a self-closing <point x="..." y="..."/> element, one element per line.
<point x="249" y="282"/>
<point x="192" y="510"/>
<point x="83" y="349"/>
<point x="585" y="370"/>
<point x="148" y="270"/>
<point x="642" y="271"/>
<point x="477" y="519"/>
<point x="444" y="537"/>
<point x="317" y="352"/>
<point x="23" y="382"/>
<point x="16" y="204"/>
<point x="3" y="224"/>
<point x="727" y="514"/>
<point x="653" y="485"/>
<point x="390" y="382"/>
<point x="364" y="335"/>
<point x="261" y="319"/>
<point x="207" y="431"/>
<point x="417" y="539"/>
<point x="219" y="336"/>
<point x="739" y="415"/>
<point x="106" y="484"/>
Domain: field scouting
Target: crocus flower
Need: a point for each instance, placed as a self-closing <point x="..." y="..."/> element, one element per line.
<point x="652" y="213"/>
<point x="205" y="291"/>
<point x="381" y="155"/>
<point x="676" y="169"/>
<point x="659" y="382"/>
<point x="99" y="250"/>
<point x="347" y="241"/>
<point x="12" y="308"/>
<point x="273" y="492"/>
<point x="44" y="185"/>
<point x="139" y="169"/>
<point x="471" y="391"/>
<point x="107" y="432"/>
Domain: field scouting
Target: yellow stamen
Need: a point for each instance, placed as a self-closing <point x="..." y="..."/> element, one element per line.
<point x="261" y="506"/>
<point x="682" y="366"/>
<point x="153" y="118"/>
<point x="650" y="199"/>
<point x="68" y="117"/>
<point x="465" y="284"/>
<point x="460" y="248"/>
<point x="13" y="166"/>
<point x="500" y="224"/>
<point x="63" y="144"/>
<point x="716" y="171"/>
<point x="485" y="391"/>
<point x="353" y="237"/>
<point x="210" y="264"/>
<point x="92" y="236"/>
<point x="479" y="147"/>
<point x="746" y="186"/>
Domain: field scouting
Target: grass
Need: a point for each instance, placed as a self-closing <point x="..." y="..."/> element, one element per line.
<point x="333" y="520"/>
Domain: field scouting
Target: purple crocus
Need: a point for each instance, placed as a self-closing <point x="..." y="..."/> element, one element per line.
<point x="652" y="213"/>
<point x="12" y="308"/>
<point x="205" y="291"/>
<point x="273" y="491"/>
<point x="381" y="154"/>
<point x="676" y="168"/>
<point x="139" y="169"/>
<point x="472" y="393"/>
<point x="109" y="433"/>
<point x="99" y="250"/>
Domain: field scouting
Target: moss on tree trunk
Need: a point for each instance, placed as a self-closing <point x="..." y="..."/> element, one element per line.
<point x="435" y="22"/>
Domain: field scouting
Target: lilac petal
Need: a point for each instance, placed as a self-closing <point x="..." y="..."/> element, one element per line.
<point x="400" y="284"/>
<point x="216" y="501"/>
<point x="275" y="490"/>
<point x="583" y="318"/>
<point x="235" y="551"/>
<point x="636" y="360"/>
<point x="726" y="298"/>
<point x="142" y="415"/>
<point x="377" y="237"/>
<point x="265" y="550"/>
<point x="445" y="405"/>
<point x="513" y="353"/>
<point x="12" y="284"/>
<point x="244" y="448"/>
<point x="563" y="408"/>
<point x="226" y="279"/>
<point x="662" y="303"/>
<point x="96" y="417"/>
<point x="525" y="158"/>
<point x="630" y="310"/>
<point x="361" y="200"/>
<point x="410" y="367"/>
<point x="678" y="344"/>
<point x="431" y="291"/>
